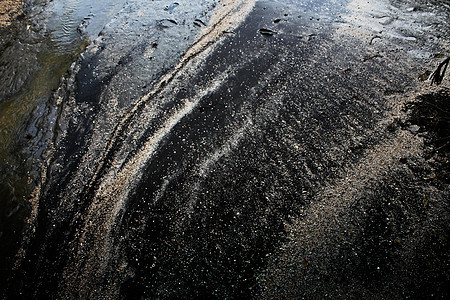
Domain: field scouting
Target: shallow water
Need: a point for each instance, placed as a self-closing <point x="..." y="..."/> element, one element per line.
<point x="177" y="152"/>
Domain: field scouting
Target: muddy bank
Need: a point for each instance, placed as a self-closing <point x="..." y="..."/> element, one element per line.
<point x="229" y="149"/>
<point x="36" y="51"/>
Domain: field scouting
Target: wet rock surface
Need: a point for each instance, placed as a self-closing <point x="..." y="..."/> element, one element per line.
<point x="289" y="154"/>
<point x="36" y="50"/>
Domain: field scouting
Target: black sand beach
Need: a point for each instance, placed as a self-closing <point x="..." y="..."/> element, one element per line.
<point x="232" y="149"/>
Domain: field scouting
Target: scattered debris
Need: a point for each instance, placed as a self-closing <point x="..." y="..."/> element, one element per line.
<point x="425" y="76"/>
<point x="171" y="7"/>
<point x="370" y="57"/>
<point x="311" y="36"/>
<point x="430" y="112"/>
<point x="375" y="38"/>
<point x="268" y="32"/>
<point x="305" y="264"/>
<point x="412" y="9"/>
<point x="199" y="21"/>
<point x="438" y="75"/>
<point x="388" y="20"/>
<point x="166" y="23"/>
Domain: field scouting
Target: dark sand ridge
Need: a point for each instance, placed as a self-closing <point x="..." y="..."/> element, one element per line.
<point x="379" y="229"/>
<point x="374" y="221"/>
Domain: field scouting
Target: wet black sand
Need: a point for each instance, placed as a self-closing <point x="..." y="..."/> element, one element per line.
<point x="303" y="164"/>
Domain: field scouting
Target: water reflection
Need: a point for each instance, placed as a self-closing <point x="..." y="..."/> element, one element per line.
<point x="69" y="19"/>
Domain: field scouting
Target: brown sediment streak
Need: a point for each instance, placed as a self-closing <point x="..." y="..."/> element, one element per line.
<point x="9" y="10"/>
<point x="205" y="165"/>
<point x="313" y="234"/>
<point x="225" y="19"/>
<point x="111" y="185"/>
